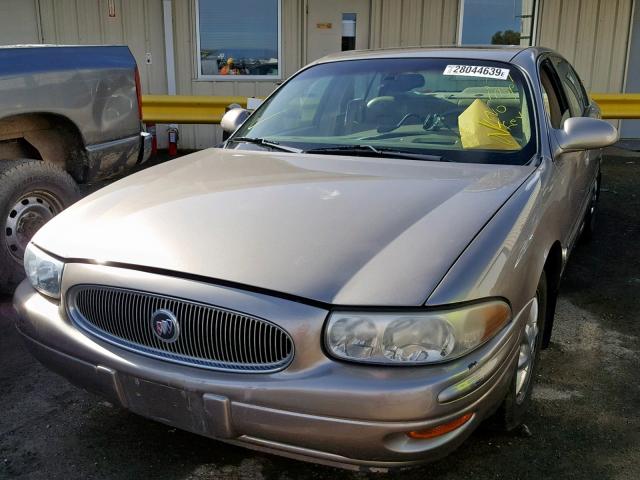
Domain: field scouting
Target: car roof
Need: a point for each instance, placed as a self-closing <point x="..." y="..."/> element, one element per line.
<point x="500" y="53"/>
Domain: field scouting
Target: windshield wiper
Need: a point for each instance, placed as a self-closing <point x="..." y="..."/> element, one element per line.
<point x="371" y="151"/>
<point x="266" y="143"/>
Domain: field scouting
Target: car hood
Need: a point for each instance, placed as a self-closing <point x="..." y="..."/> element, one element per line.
<point x="334" y="229"/>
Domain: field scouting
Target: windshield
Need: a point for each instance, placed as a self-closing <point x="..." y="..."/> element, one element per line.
<point x="456" y="110"/>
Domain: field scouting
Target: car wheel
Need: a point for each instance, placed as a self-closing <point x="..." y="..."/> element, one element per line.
<point x="516" y="402"/>
<point x="31" y="193"/>
<point x="589" y="225"/>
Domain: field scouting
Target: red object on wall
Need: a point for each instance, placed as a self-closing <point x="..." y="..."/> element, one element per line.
<point x="173" y="141"/>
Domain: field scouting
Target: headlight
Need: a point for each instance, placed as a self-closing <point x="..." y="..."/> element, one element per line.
<point x="43" y="271"/>
<point x="414" y="337"/>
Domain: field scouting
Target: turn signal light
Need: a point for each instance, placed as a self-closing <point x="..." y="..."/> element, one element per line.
<point x="440" y="429"/>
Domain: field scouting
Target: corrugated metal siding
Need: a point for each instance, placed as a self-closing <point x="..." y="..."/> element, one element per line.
<point x="393" y="23"/>
<point x="138" y="24"/>
<point x="631" y="128"/>
<point x="404" y="23"/>
<point x="187" y="83"/>
<point x="592" y="34"/>
<point x="19" y="22"/>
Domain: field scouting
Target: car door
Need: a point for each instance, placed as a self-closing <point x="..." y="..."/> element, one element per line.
<point x="579" y="106"/>
<point x="565" y="165"/>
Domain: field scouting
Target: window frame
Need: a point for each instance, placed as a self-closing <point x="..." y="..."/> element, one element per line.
<point x="581" y="96"/>
<point x="237" y="78"/>
<point x="535" y="12"/>
<point x="546" y="64"/>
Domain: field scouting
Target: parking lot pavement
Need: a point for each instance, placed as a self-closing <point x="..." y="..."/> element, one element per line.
<point x="583" y="424"/>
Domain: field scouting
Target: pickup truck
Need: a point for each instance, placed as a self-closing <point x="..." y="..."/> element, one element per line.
<point x="68" y="115"/>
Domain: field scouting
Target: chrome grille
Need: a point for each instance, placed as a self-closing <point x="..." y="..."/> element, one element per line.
<point x="210" y="337"/>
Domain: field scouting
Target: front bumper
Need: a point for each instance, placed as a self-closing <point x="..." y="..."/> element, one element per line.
<point x="317" y="409"/>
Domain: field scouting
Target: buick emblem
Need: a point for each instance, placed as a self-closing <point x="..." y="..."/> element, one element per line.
<point x="165" y="326"/>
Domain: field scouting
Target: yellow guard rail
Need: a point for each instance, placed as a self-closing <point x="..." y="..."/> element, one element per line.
<point x="186" y="108"/>
<point x="208" y="109"/>
<point x="618" y="105"/>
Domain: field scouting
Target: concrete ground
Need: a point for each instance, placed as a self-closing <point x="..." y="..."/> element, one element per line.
<point x="584" y="422"/>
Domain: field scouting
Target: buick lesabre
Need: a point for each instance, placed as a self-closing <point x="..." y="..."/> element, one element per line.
<point x="364" y="272"/>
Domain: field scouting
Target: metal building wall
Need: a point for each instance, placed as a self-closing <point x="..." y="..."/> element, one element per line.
<point x="137" y="23"/>
<point x="592" y="34"/>
<point x="19" y="22"/>
<point x="187" y="82"/>
<point x="630" y="129"/>
<point x="404" y="23"/>
<point x="393" y="23"/>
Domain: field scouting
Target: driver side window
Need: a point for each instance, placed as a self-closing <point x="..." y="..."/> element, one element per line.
<point x="555" y="103"/>
<point x="572" y="87"/>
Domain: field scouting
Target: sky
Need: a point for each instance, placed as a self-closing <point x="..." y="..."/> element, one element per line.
<point x="483" y="18"/>
<point x="248" y="26"/>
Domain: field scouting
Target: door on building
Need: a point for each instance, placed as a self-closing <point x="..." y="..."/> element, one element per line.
<point x="336" y="25"/>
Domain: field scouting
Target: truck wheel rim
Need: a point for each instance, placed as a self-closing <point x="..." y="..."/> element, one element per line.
<point x="28" y="214"/>
<point x="527" y="355"/>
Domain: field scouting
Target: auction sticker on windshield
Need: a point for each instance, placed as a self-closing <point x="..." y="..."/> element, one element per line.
<point x="477" y="71"/>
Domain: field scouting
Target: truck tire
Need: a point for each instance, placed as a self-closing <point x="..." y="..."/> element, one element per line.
<point x="31" y="193"/>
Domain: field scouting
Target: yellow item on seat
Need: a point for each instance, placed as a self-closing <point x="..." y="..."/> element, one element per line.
<point x="480" y="127"/>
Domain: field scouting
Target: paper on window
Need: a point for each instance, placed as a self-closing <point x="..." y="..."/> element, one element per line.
<point x="477" y="71"/>
<point x="481" y="128"/>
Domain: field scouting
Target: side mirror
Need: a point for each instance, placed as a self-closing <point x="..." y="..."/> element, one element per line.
<point x="586" y="133"/>
<point x="233" y="119"/>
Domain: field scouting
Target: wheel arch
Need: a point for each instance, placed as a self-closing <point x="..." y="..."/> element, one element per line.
<point x="45" y="136"/>
<point x="553" y="271"/>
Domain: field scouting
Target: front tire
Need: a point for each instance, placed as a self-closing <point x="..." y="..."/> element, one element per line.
<point x="513" y="408"/>
<point x="31" y="193"/>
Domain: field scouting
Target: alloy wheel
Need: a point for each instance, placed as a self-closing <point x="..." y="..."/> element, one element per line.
<point x="527" y="354"/>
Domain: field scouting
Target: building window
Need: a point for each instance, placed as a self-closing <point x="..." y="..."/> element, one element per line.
<point x="497" y="22"/>
<point x="239" y="38"/>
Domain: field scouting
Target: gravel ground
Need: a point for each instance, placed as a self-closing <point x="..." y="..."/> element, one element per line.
<point x="583" y="423"/>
